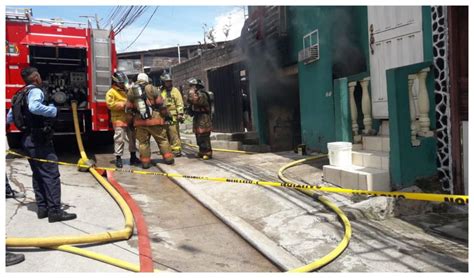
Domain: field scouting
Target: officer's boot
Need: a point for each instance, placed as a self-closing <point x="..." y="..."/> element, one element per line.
<point x="12" y="258"/>
<point x="118" y="161"/>
<point x="134" y="159"/>
<point x="60" y="215"/>
<point x="42" y="212"/>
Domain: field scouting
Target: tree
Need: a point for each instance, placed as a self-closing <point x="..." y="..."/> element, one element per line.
<point x="209" y="33"/>
<point x="227" y="27"/>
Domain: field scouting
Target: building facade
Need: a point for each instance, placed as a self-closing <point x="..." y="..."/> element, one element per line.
<point x="374" y="76"/>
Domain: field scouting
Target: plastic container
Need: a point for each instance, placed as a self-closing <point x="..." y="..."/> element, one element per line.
<point x="340" y="154"/>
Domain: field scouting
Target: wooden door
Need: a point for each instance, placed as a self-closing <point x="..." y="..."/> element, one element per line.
<point x="395" y="40"/>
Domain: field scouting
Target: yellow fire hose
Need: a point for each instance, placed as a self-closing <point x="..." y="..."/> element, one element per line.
<point x="63" y="242"/>
<point x="82" y="239"/>
<point x="100" y="257"/>
<point x="347" y="225"/>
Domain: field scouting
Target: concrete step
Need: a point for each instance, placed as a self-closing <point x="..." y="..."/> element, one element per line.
<point x="224" y="144"/>
<point x="362" y="178"/>
<point x="221" y="136"/>
<point x="371" y="159"/>
<point x="356" y="147"/>
<point x="250" y="136"/>
<point x="256" y="148"/>
<point x="376" y="143"/>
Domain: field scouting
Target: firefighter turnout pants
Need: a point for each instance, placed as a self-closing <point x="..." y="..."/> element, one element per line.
<point x="203" y="140"/>
<point x="174" y="138"/>
<point x="159" y="134"/>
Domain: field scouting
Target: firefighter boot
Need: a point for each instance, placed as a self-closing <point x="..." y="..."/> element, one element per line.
<point x="207" y="157"/>
<point x="118" y="162"/>
<point x="168" y="158"/>
<point x="134" y="159"/>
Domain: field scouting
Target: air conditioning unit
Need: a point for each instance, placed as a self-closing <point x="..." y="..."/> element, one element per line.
<point x="309" y="54"/>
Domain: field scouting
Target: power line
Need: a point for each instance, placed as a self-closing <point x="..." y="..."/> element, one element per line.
<point x="144" y="27"/>
<point x="130" y="16"/>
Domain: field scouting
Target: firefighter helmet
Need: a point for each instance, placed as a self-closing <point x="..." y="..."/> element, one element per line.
<point x="143" y="77"/>
<point x="166" y="77"/>
<point x="197" y="82"/>
<point x="119" y="78"/>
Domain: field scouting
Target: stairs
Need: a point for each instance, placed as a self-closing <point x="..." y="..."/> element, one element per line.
<point x="370" y="165"/>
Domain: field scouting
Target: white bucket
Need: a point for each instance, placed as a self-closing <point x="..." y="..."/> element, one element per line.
<point x="340" y="154"/>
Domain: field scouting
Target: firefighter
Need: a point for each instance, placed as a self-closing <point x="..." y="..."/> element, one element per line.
<point x="124" y="131"/>
<point x="200" y="108"/>
<point x="37" y="142"/>
<point x="150" y="117"/>
<point x="174" y="102"/>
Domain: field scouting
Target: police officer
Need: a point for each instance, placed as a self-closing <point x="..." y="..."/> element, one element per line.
<point x="174" y="102"/>
<point x="150" y="117"/>
<point x="37" y="142"/>
<point x="124" y="131"/>
<point x="200" y="109"/>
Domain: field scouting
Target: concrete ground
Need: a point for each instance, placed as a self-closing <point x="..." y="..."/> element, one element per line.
<point x="81" y="194"/>
<point x="294" y="230"/>
<point x="184" y="235"/>
<point x="287" y="227"/>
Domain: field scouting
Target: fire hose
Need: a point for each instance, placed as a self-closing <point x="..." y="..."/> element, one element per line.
<point x="347" y="225"/>
<point x="63" y="242"/>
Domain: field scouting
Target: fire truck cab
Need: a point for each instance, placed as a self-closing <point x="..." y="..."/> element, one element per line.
<point x="75" y="62"/>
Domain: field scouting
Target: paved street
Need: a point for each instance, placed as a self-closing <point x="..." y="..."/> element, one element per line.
<point x="194" y="224"/>
<point x="184" y="235"/>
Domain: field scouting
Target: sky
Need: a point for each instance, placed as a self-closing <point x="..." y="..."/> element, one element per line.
<point x="170" y="26"/>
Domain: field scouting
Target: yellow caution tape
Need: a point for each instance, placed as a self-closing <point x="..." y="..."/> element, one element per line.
<point x="456" y="199"/>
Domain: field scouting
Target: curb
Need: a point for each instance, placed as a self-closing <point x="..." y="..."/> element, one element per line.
<point x="257" y="239"/>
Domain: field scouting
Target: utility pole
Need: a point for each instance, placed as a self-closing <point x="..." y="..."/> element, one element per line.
<point x="179" y="55"/>
<point x="95" y="17"/>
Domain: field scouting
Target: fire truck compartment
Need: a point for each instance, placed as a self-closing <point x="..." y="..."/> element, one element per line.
<point x="64" y="74"/>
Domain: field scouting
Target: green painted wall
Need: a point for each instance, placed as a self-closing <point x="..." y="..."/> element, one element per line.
<point x="343" y="127"/>
<point x="427" y="33"/>
<point x="258" y="115"/>
<point x="341" y="54"/>
<point x="407" y="163"/>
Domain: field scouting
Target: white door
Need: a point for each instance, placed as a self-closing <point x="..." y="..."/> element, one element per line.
<point x="397" y="41"/>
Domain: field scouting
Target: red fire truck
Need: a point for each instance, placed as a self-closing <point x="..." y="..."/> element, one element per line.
<point x="75" y="61"/>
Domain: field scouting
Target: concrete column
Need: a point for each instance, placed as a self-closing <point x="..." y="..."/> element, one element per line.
<point x="424" y="105"/>
<point x="413" y="126"/>
<point x="366" y="106"/>
<point x="355" y="127"/>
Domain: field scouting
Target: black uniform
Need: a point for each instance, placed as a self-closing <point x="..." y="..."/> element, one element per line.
<point x="37" y="142"/>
